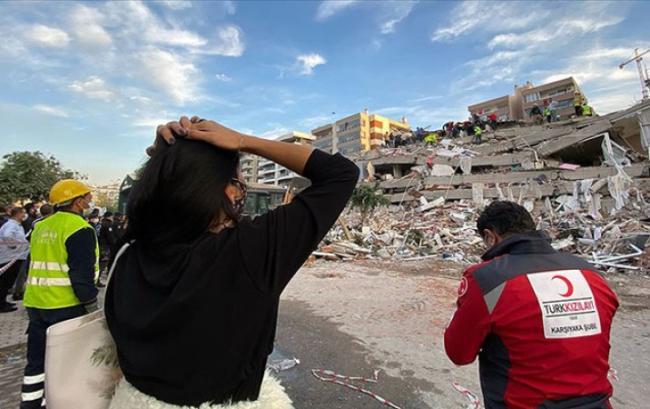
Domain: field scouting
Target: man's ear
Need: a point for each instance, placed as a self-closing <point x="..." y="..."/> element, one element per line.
<point x="491" y="237"/>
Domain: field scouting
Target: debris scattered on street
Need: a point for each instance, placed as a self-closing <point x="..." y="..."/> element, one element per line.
<point x="474" y="401"/>
<point x="283" y="365"/>
<point x="327" y="375"/>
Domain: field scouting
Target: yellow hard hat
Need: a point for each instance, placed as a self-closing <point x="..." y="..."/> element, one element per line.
<point x="67" y="189"/>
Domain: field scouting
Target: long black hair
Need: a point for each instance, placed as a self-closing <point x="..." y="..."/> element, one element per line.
<point x="178" y="193"/>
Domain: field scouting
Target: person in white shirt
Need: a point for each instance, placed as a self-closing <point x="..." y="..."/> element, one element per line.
<point x="14" y="248"/>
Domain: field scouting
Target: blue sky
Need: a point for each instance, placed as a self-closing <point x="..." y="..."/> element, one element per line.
<point x="89" y="81"/>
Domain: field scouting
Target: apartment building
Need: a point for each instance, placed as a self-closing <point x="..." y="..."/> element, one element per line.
<point x="249" y="164"/>
<point x="270" y="173"/>
<point x="356" y="133"/>
<point x="506" y="108"/>
<point x="558" y="94"/>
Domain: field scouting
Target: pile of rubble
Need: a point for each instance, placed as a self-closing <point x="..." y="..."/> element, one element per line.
<point x="447" y="231"/>
<point x="584" y="179"/>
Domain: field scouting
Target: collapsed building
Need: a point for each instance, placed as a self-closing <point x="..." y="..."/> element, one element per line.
<point x="584" y="178"/>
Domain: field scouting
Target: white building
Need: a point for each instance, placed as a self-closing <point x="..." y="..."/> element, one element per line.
<point x="270" y="173"/>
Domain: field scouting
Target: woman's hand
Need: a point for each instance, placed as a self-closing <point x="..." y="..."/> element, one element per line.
<point x="167" y="134"/>
<point x="197" y="129"/>
<point x="213" y="133"/>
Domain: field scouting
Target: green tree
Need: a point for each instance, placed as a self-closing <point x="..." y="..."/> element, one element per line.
<point x="103" y="199"/>
<point x="29" y="176"/>
<point x="367" y="198"/>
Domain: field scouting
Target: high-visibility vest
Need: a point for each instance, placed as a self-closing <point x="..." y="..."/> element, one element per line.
<point x="547" y="111"/>
<point x="586" y="110"/>
<point x="48" y="283"/>
<point x="431" y="138"/>
<point x="477" y="131"/>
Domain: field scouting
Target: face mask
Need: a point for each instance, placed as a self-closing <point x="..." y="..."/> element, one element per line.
<point x="88" y="210"/>
<point x="235" y="209"/>
<point x="25" y="216"/>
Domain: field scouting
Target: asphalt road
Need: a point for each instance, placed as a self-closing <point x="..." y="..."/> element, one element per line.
<point x="318" y="344"/>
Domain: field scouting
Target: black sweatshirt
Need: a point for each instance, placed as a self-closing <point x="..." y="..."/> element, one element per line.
<point x="81" y="261"/>
<point x="196" y="322"/>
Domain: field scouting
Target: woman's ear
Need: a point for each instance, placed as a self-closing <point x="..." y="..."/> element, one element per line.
<point x="231" y="192"/>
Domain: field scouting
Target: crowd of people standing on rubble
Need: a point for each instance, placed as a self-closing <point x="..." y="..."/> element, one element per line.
<point x="474" y="126"/>
<point x="477" y="124"/>
<point x="548" y="111"/>
<point x="16" y="226"/>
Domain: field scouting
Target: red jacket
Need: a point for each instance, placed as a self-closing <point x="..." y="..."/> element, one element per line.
<point x="539" y="320"/>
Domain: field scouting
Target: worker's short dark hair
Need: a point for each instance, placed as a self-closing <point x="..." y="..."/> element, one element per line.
<point x="46" y="210"/>
<point x="29" y="206"/>
<point x="15" y="210"/>
<point x="505" y="218"/>
<point x="108" y="214"/>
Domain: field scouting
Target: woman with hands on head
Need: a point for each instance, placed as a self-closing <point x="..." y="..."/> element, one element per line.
<point x="193" y="301"/>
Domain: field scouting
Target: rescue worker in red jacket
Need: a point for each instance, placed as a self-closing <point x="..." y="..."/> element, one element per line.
<point x="539" y="320"/>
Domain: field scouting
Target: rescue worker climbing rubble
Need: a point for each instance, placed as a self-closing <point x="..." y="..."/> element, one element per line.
<point x="538" y="320"/>
<point x="61" y="279"/>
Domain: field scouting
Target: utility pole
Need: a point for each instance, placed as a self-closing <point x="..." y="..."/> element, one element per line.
<point x="643" y="73"/>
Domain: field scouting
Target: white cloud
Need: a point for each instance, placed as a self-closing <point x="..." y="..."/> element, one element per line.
<point x="174" y="37"/>
<point x="87" y="29"/>
<point x="229" y="42"/>
<point x="470" y="16"/>
<point x="140" y="99"/>
<point x="51" y="110"/>
<point x="395" y="12"/>
<point x="223" y="77"/>
<point x="427" y="98"/>
<point x="229" y="6"/>
<point x="47" y="36"/>
<point x="150" y="123"/>
<point x="177" y="4"/>
<point x="328" y="8"/>
<point x="562" y="28"/>
<point x="597" y="65"/>
<point x="388" y="13"/>
<point x="137" y="23"/>
<point x="521" y="43"/>
<point x="171" y="74"/>
<point x="612" y="101"/>
<point x="275" y="132"/>
<point x="93" y="87"/>
<point x="308" y="62"/>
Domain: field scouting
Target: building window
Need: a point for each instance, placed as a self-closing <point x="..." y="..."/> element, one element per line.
<point x="532" y="97"/>
<point x="323" y="144"/>
<point x="349" y="149"/>
<point x="348" y="125"/>
<point x="348" y="138"/>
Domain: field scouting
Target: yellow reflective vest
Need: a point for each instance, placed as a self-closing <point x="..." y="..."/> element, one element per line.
<point x="48" y="283"/>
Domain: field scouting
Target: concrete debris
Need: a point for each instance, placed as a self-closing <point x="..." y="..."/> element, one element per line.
<point x="585" y="180"/>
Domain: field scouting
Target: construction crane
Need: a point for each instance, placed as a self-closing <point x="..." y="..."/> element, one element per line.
<point x="643" y="72"/>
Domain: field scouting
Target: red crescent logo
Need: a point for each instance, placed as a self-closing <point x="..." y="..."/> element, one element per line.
<point x="569" y="286"/>
<point x="462" y="288"/>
